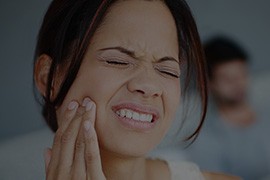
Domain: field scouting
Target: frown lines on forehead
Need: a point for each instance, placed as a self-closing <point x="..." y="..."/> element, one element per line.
<point x="133" y="54"/>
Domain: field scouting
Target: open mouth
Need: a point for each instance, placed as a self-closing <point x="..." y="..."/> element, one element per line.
<point x="136" y="116"/>
<point x="127" y="113"/>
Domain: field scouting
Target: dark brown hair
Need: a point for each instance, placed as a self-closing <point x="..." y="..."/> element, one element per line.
<point x="221" y="49"/>
<point x="68" y="27"/>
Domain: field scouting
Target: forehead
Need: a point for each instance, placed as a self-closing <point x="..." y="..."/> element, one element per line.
<point x="231" y="68"/>
<point x="139" y="25"/>
<point x="233" y="64"/>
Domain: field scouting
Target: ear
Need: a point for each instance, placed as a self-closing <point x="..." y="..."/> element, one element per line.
<point x="41" y="72"/>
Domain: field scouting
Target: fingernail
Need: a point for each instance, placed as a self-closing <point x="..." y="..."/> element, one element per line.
<point x="89" y="106"/>
<point x="86" y="101"/>
<point x="72" y="105"/>
<point x="86" y="125"/>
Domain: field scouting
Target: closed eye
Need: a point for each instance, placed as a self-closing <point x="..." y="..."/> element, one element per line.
<point x="169" y="73"/>
<point x="117" y="62"/>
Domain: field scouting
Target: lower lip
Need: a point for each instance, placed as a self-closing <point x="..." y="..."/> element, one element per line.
<point x="136" y="125"/>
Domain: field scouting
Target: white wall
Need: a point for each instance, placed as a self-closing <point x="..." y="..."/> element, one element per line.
<point x="19" y="22"/>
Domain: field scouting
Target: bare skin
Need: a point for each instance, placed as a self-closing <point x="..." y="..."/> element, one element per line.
<point x="75" y="151"/>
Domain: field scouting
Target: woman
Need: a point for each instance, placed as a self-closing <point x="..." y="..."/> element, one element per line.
<point x="108" y="72"/>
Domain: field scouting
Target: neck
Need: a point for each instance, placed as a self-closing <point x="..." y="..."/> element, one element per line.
<point x="116" y="167"/>
<point x="239" y="114"/>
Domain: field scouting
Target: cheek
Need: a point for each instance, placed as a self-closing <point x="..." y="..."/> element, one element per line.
<point x="85" y="85"/>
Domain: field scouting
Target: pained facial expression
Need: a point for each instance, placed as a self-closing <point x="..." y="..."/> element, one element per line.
<point x="230" y="81"/>
<point x="130" y="71"/>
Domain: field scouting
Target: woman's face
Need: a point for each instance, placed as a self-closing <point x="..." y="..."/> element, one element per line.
<point x="131" y="71"/>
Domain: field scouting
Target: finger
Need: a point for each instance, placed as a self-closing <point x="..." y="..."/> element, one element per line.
<point x="68" y="141"/>
<point x="79" y="160"/>
<point x="79" y="168"/>
<point x="70" y="113"/>
<point x="92" y="153"/>
<point x="47" y="158"/>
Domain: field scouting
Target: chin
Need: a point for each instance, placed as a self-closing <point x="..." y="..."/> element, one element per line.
<point x="128" y="144"/>
<point x="129" y="137"/>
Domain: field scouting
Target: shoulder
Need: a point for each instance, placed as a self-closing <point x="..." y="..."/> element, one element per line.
<point x="219" y="176"/>
<point x="190" y="171"/>
<point x="173" y="170"/>
<point x="184" y="170"/>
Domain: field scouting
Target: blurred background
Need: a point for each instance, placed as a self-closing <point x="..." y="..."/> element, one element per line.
<point x="246" y="21"/>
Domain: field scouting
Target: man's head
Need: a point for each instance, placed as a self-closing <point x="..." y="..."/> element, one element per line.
<point x="227" y="70"/>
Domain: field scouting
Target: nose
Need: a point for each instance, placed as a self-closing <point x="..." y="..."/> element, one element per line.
<point x="145" y="84"/>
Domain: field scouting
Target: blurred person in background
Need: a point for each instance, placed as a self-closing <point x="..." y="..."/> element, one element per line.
<point x="234" y="138"/>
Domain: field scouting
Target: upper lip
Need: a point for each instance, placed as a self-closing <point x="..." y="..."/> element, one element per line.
<point x="143" y="109"/>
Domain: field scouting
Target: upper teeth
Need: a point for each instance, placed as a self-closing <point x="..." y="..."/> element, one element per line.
<point x="134" y="115"/>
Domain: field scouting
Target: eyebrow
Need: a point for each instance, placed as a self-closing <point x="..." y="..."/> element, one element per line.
<point x="168" y="58"/>
<point x="132" y="53"/>
<point x="121" y="49"/>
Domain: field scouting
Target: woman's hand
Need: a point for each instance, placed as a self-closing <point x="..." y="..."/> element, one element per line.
<point x="75" y="152"/>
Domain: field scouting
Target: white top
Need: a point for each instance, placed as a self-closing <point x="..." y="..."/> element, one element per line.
<point x="180" y="167"/>
<point x="185" y="171"/>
